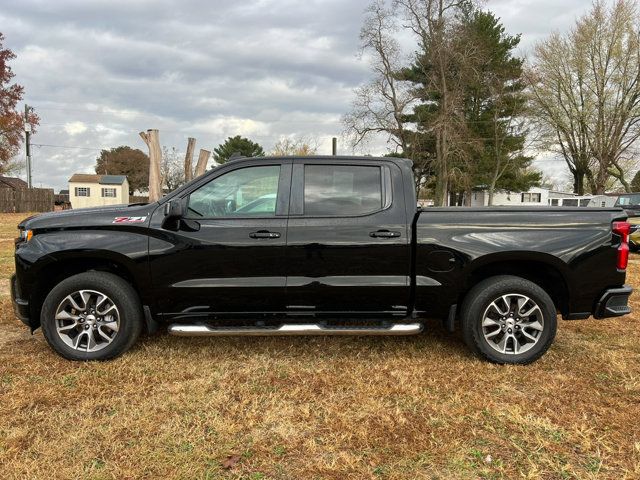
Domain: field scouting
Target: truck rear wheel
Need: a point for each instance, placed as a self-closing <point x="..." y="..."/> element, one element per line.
<point x="508" y="319"/>
<point x="91" y="316"/>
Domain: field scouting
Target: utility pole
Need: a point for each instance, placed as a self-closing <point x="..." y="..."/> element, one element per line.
<point x="27" y="132"/>
<point x="334" y="146"/>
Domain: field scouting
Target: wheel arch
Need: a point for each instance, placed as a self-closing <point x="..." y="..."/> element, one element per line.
<point x="66" y="264"/>
<point x="544" y="270"/>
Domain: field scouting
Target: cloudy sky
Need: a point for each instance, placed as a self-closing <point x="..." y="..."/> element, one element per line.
<point x="100" y="71"/>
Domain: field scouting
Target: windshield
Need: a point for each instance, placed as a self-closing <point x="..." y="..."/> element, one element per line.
<point x="628" y="200"/>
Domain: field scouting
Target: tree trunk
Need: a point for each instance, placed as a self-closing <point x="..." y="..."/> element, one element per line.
<point x="578" y="181"/>
<point x="188" y="160"/>
<point x="152" y="139"/>
<point x="442" y="177"/>
<point x="467" y="196"/>
<point x="625" y="184"/>
<point x="601" y="180"/>
<point x="203" y="159"/>
<point x="592" y="183"/>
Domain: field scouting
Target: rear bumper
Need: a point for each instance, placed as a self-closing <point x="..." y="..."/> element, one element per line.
<point x="614" y="303"/>
<point x="20" y="306"/>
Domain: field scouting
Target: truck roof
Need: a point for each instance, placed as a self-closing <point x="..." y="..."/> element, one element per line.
<point x="324" y="158"/>
<point x="400" y="162"/>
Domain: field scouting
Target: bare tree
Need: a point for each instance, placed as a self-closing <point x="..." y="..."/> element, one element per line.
<point x="380" y="106"/>
<point x="295" y="146"/>
<point x="391" y="103"/>
<point x="172" y="169"/>
<point x="586" y="93"/>
<point x="558" y="91"/>
<point x="444" y="64"/>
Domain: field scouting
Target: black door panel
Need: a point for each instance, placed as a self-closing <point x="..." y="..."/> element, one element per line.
<point x="348" y="264"/>
<point x="220" y="268"/>
<point x="233" y="264"/>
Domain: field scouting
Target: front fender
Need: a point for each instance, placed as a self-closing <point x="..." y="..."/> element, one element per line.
<point x="49" y="257"/>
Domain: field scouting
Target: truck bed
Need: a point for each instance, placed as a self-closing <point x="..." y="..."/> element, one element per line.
<point x="456" y="245"/>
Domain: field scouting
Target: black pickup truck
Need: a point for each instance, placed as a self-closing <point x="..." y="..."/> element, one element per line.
<point x="316" y="246"/>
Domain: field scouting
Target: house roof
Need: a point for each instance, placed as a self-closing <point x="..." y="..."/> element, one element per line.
<point x="12" y="182"/>
<point x="101" y="179"/>
<point x="113" y="179"/>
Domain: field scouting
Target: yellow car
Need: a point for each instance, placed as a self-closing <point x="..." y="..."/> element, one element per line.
<point x="634" y="237"/>
<point x="630" y="202"/>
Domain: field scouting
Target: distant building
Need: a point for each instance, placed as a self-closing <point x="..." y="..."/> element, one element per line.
<point x="61" y="200"/>
<point x="541" y="197"/>
<point x="87" y="190"/>
<point x="13" y="183"/>
<point x="535" y="196"/>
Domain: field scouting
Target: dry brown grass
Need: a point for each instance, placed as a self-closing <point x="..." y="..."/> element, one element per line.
<point x="305" y="408"/>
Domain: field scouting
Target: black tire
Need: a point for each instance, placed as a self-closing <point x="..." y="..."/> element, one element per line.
<point x="121" y="294"/>
<point x="477" y="303"/>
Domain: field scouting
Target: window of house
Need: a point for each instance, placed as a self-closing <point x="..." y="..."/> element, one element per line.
<point x="554" y="202"/>
<point x="250" y="191"/>
<point x="109" y="192"/>
<point x="83" y="192"/>
<point x="584" y="202"/>
<point x="570" y="202"/>
<point x="342" y="189"/>
<point x="531" y="197"/>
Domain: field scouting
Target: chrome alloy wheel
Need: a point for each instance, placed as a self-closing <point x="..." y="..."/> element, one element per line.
<point x="512" y="324"/>
<point x="87" y="320"/>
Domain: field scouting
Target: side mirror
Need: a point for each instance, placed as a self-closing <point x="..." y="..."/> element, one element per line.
<point x="174" y="210"/>
<point x="173" y="213"/>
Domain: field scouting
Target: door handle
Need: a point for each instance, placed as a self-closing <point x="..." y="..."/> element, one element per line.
<point x="264" y="234"/>
<point x="384" y="234"/>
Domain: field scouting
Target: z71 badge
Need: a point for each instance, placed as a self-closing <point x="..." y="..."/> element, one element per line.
<point x="129" y="219"/>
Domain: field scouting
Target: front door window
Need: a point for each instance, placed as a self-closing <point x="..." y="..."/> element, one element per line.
<point x="247" y="192"/>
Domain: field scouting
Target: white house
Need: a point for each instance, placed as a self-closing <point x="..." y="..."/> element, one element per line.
<point x="87" y="190"/>
<point x="535" y="196"/>
<point x="541" y="197"/>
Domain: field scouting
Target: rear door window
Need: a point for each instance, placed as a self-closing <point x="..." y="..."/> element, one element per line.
<point x="342" y="190"/>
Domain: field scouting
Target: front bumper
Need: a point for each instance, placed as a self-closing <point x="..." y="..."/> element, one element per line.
<point x="20" y="306"/>
<point x="614" y="302"/>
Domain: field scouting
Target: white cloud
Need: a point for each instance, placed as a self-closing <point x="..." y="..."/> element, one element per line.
<point x="100" y="72"/>
<point x="75" y="128"/>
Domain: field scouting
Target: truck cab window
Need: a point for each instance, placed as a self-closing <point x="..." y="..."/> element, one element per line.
<point x="248" y="191"/>
<point x="342" y="190"/>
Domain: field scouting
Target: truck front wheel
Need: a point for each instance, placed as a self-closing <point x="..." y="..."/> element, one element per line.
<point x="91" y="316"/>
<point x="508" y="319"/>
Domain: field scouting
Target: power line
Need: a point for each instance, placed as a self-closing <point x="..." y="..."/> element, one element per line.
<point x="67" y="146"/>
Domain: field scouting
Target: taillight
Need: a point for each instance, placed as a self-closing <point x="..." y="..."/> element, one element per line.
<point x="622" y="229"/>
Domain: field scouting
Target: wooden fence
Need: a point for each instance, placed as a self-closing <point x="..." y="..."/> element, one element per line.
<point x="26" y="200"/>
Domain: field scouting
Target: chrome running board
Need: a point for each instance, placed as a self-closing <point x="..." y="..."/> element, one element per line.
<point x="184" y="330"/>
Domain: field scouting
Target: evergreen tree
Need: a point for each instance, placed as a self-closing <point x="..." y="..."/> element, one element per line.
<point x="236" y="146"/>
<point x="495" y="105"/>
<point x="635" y="183"/>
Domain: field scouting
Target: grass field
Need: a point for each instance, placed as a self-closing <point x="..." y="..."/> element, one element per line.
<point x="305" y="408"/>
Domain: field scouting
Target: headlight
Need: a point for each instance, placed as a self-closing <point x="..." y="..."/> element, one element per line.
<point x="25" y="235"/>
